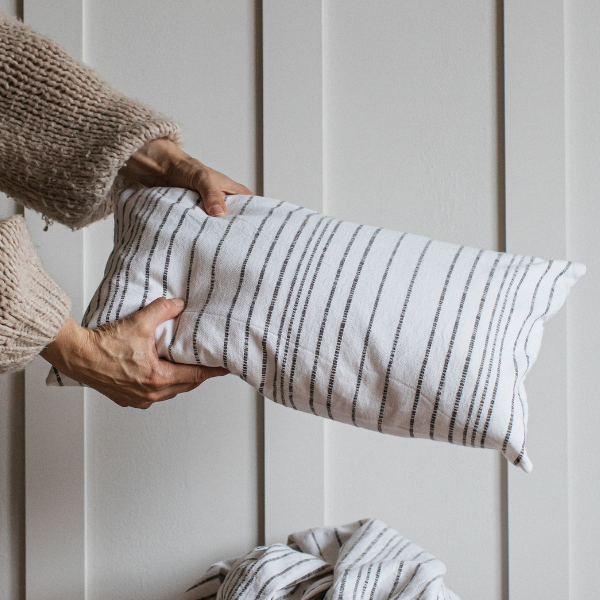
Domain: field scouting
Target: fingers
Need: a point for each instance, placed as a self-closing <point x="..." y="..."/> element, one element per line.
<point x="177" y="379"/>
<point x="238" y="188"/>
<point x="213" y="197"/>
<point x="175" y="374"/>
<point x="214" y="203"/>
<point x="157" y="312"/>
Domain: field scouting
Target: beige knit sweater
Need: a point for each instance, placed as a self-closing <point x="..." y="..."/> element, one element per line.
<point x="64" y="134"/>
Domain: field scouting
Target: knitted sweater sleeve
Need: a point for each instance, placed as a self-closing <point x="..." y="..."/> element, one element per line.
<point x="33" y="308"/>
<point x="64" y="132"/>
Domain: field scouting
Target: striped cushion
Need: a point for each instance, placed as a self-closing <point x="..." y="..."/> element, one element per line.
<point x="384" y="330"/>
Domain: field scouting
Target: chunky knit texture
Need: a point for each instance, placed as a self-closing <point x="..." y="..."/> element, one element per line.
<point x="32" y="307"/>
<point x="64" y="132"/>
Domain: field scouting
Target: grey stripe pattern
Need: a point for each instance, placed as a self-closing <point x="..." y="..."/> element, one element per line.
<point x="365" y="560"/>
<point x="385" y="330"/>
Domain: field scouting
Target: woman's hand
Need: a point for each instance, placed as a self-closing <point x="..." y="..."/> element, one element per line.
<point x="119" y="359"/>
<point x="163" y="163"/>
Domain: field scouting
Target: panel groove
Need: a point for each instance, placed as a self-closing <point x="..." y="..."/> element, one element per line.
<point x="292" y="136"/>
<point x="538" y="537"/>
<point x="54" y="419"/>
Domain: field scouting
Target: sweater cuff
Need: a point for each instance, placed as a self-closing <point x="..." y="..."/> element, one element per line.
<point x="33" y="308"/>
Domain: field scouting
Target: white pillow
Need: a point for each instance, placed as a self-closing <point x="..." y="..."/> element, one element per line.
<point x="384" y="330"/>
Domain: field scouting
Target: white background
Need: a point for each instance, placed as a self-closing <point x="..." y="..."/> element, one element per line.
<point x="474" y="122"/>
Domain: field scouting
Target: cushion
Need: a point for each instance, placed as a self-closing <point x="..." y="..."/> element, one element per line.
<point x="379" y="329"/>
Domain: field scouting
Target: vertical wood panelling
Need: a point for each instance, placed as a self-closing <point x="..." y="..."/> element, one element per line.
<point x="55" y="418"/>
<point x="535" y="224"/>
<point x="293" y="171"/>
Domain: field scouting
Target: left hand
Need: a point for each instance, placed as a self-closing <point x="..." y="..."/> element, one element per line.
<point x="162" y="163"/>
<point x="119" y="359"/>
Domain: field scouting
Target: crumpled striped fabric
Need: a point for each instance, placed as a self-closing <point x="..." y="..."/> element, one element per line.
<point x="380" y="329"/>
<point x="366" y="560"/>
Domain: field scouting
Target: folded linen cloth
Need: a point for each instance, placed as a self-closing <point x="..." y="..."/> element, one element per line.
<point x="366" y="560"/>
<point x="380" y="329"/>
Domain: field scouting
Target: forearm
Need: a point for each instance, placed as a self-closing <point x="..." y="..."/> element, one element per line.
<point x="155" y="163"/>
<point x="64" y="132"/>
<point x="33" y="308"/>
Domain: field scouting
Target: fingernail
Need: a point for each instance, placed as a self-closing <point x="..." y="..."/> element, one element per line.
<point x="215" y="211"/>
<point x="178" y="302"/>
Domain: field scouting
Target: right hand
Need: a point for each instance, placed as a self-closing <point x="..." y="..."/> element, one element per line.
<point x="119" y="359"/>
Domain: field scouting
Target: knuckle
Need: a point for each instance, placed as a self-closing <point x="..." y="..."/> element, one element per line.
<point x="156" y="382"/>
<point x="163" y="303"/>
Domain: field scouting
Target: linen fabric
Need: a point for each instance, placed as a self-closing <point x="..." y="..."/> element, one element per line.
<point x="384" y="330"/>
<point x="366" y="559"/>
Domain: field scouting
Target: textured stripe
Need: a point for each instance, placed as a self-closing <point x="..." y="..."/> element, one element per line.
<point x="241" y="280"/>
<point x="338" y="345"/>
<point x="303" y="315"/>
<point x="258" y="566"/>
<point x="367" y="576"/>
<point x="428" y="584"/>
<point x="550" y="298"/>
<point x="60" y="383"/>
<point x="500" y="355"/>
<point x="312" y="534"/>
<point x="171" y="243"/>
<point x="257" y="290"/>
<point x="370" y="327"/>
<point x="153" y="249"/>
<point x="313" y="376"/>
<point x="493" y="352"/>
<point x="133" y="230"/>
<point x="487" y="339"/>
<point x="337" y="536"/>
<point x="463" y="377"/>
<point x="398" y="575"/>
<point x="515" y="363"/>
<point x="397" y="336"/>
<point x="274" y="300"/>
<point x="295" y="308"/>
<point x="286" y="570"/>
<point x="287" y="304"/>
<point x="187" y="286"/>
<point x="357" y="582"/>
<point x="141" y="226"/>
<point x="430" y="343"/>
<point x="213" y="277"/>
<point x="450" y="346"/>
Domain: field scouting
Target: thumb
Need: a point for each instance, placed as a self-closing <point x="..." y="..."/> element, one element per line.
<point x="157" y="312"/>
<point x="214" y="203"/>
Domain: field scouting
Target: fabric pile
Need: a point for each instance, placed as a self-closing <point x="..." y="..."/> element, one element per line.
<point x="366" y="560"/>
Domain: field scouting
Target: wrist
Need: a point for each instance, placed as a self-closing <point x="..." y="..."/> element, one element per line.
<point x="67" y="348"/>
<point x="154" y="163"/>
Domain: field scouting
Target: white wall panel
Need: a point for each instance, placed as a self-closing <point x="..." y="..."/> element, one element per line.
<point x="535" y="224"/>
<point x="582" y="41"/>
<point x="411" y="143"/>
<point x="387" y="113"/>
<point x="293" y="171"/>
<point x="174" y="488"/>
<point x="55" y="421"/>
<point x="12" y="452"/>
